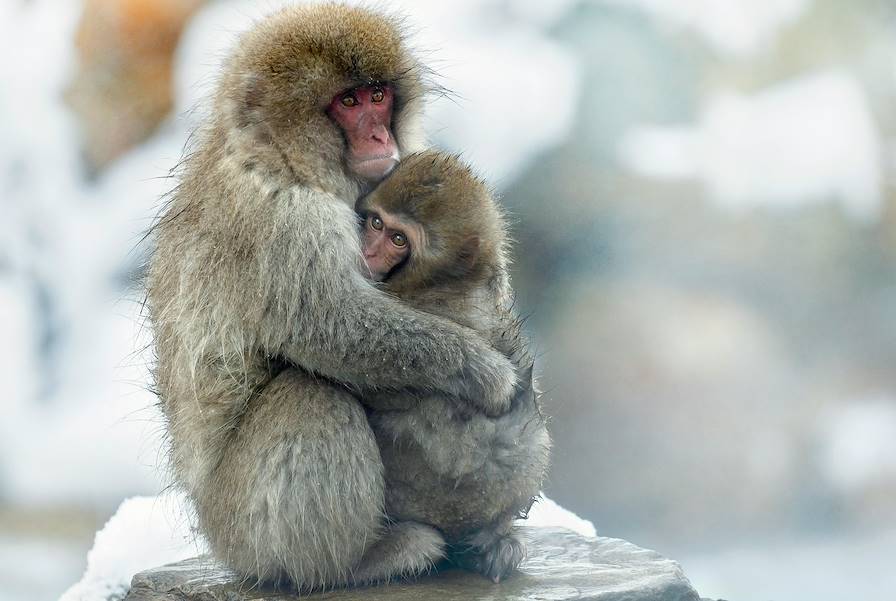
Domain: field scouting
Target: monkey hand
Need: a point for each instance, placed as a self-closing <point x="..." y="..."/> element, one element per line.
<point x="489" y="382"/>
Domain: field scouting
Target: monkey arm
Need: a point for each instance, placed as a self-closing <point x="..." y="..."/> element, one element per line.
<point x="373" y="342"/>
<point x="344" y="328"/>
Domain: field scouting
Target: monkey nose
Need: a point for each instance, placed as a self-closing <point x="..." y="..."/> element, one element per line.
<point x="380" y="134"/>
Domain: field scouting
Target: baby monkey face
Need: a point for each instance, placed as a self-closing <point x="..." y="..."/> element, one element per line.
<point x="386" y="241"/>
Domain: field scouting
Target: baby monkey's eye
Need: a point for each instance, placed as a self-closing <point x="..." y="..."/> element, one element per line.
<point x="375" y="222"/>
<point x="377" y="95"/>
<point x="399" y="240"/>
<point x="349" y="100"/>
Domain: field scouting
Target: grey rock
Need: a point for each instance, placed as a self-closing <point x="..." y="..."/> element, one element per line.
<point x="562" y="566"/>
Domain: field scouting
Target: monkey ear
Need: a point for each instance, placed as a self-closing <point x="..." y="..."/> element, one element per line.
<point x="248" y="100"/>
<point x="469" y="254"/>
<point x="248" y="107"/>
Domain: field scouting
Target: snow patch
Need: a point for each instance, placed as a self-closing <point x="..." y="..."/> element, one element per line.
<point x="504" y="110"/>
<point x="548" y="514"/>
<point x="858" y="443"/>
<point x="737" y="27"/>
<point x="145" y="532"/>
<point x="148" y="532"/>
<point x="805" y="141"/>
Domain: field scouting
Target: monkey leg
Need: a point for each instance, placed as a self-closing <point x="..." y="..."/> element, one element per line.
<point x="406" y="549"/>
<point x="298" y="495"/>
<point x="494" y="552"/>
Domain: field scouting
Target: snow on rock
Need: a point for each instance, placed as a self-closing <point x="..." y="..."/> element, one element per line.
<point x="805" y="141"/>
<point x="147" y="532"/>
<point x="545" y="513"/>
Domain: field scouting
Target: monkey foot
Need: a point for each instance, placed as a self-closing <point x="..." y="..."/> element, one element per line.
<point x="495" y="560"/>
<point x="406" y="549"/>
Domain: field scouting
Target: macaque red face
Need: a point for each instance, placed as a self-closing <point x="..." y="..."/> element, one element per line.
<point x="365" y="116"/>
<point x="387" y="242"/>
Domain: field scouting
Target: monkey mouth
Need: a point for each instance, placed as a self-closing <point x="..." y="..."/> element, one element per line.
<point x="375" y="167"/>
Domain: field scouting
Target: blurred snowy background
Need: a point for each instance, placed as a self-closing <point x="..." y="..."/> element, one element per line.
<point x="704" y="204"/>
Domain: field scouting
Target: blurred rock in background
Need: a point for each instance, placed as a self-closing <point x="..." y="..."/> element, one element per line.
<point x="123" y="87"/>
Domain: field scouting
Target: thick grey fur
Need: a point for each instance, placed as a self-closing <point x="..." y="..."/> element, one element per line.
<point x="265" y="328"/>
<point x="448" y="464"/>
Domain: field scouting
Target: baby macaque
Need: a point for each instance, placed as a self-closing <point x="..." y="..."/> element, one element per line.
<point x="435" y="238"/>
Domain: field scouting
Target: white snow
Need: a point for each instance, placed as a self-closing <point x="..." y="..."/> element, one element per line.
<point x="545" y="513"/>
<point x="808" y="140"/>
<point x="514" y="89"/>
<point x="539" y="12"/>
<point x="68" y="240"/>
<point x="98" y="441"/>
<point x="17" y="345"/>
<point x="857" y="443"/>
<point x="506" y="110"/>
<point x="147" y="532"/>
<point x="737" y="27"/>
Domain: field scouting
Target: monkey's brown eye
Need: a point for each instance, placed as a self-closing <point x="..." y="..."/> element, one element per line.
<point x="349" y="100"/>
<point x="376" y="223"/>
<point x="377" y="95"/>
<point x="399" y="240"/>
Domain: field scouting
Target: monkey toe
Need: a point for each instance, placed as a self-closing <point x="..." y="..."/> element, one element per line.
<point x="502" y="558"/>
<point x="496" y="561"/>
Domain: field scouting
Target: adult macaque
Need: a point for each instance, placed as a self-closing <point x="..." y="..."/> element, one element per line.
<point x="264" y="323"/>
<point x="433" y="233"/>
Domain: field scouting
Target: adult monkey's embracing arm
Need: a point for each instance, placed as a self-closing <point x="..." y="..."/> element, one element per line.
<point x="344" y="328"/>
<point x="316" y="106"/>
